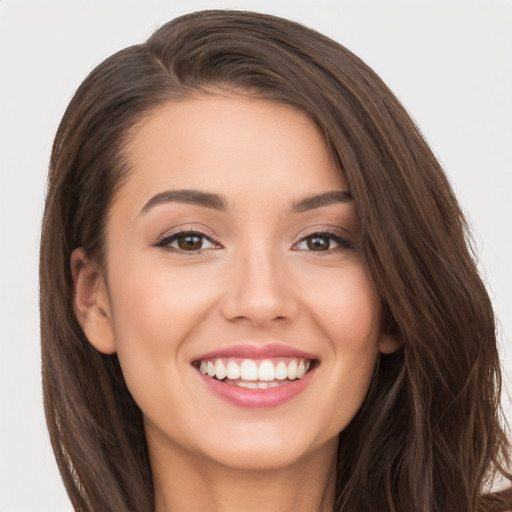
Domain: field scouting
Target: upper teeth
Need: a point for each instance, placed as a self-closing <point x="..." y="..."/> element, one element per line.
<point x="253" y="370"/>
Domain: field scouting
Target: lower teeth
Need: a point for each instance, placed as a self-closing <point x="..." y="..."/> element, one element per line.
<point x="255" y="385"/>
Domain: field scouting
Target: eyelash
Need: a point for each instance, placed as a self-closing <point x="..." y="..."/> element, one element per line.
<point x="167" y="240"/>
<point x="343" y="243"/>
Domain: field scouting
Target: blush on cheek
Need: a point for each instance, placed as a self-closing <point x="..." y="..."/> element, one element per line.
<point x="155" y="308"/>
<point x="354" y="303"/>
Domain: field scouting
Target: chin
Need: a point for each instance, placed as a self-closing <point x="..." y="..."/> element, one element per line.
<point x="267" y="449"/>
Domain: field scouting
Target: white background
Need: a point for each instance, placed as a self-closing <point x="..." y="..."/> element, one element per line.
<point x="450" y="63"/>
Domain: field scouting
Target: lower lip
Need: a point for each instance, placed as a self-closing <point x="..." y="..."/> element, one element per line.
<point x="257" y="398"/>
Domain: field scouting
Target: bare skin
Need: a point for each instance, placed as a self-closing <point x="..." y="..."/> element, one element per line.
<point x="260" y="263"/>
<point x="304" y="487"/>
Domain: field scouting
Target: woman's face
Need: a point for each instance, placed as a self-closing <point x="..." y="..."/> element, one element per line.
<point x="233" y="248"/>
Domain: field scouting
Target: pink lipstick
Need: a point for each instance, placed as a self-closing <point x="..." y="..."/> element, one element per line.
<point x="256" y="376"/>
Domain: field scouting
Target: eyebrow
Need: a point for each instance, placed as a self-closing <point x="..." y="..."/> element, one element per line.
<point x="195" y="197"/>
<point x="218" y="202"/>
<point x="325" y="199"/>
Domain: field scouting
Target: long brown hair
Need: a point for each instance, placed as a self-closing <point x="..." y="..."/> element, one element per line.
<point x="428" y="437"/>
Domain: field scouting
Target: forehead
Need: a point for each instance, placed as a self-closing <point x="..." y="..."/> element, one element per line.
<point x="230" y="144"/>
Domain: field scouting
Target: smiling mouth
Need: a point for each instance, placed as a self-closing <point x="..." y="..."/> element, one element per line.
<point x="255" y="373"/>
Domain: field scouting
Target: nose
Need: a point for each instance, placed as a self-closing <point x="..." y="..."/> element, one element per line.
<point x="259" y="290"/>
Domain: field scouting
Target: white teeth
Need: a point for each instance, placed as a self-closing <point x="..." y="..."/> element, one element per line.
<point x="258" y="385"/>
<point x="292" y="370"/>
<point x="220" y="369"/>
<point x="301" y="370"/>
<point x="249" y="370"/>
<point x="281" y="371"/>
<point x="266" y="371"/>
<point x="233" y="371"/>
<point x="250" y="385"/>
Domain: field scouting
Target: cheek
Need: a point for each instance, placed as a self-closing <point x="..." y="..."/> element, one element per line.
<point x="158" y="305"/>
<point x="349" y="313"/>
<point x="155" y="310"/>
<point x="347" y="307"/>
<point x="356" y="332"/>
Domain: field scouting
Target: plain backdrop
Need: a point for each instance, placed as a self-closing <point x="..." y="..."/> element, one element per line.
<point x="449" y="62"/>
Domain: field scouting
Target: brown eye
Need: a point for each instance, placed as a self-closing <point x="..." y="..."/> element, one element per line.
<point x="323" y="242"/>
<point x="190" y="242"/>
<point x="187" y="241"/>
<point x="318" y="243"/>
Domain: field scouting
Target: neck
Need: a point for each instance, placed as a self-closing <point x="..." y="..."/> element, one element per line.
<point x="188" y="484"/>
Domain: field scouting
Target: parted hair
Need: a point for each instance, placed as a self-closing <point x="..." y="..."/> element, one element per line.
<point x="429" y="436"/>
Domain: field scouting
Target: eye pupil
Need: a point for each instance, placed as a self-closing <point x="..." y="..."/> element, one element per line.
<point x="318" y="243"/>
<point x="190" y="242"/>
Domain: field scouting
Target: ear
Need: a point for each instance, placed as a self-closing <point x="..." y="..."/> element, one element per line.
<point x="389" y="344"/>
<point x="91" y="304"/>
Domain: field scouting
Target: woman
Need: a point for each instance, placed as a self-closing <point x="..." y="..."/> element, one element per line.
<point x="256" y="291"/>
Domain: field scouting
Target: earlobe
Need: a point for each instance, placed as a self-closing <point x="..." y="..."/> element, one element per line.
<point x="91" y="304"/>
<point x="389" y="344"/>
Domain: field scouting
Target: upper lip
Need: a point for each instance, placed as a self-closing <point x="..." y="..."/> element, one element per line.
<point x="252" y="351"/>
